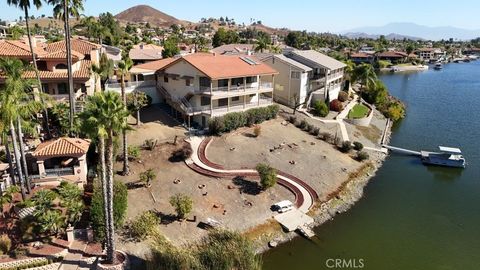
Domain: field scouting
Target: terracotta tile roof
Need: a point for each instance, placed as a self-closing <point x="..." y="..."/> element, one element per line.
<point x="17" y="48"/>
<point x="223" y="66"/>
<point x="81" y="74"/>
<point x="145" y="54"/>
<point x="360" y="55"/>
<point x="62" y="147"/>
<point x="62" y="54"/>
<point x="152" y="66"/>
<point x="233" y="48"/>
<point x="391" y="54"/>
<point x="81" y="46"/>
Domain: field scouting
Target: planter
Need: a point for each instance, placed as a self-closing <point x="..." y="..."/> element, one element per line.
<point x="122" y="264"/>
<point x="365" y="121"/>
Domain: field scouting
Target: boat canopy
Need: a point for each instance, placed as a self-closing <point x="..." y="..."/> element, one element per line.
<point x="450" y="150"/>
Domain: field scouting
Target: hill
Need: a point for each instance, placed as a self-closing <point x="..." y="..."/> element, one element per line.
<point x="415" y="30"/>
<point x="144" y="13"/>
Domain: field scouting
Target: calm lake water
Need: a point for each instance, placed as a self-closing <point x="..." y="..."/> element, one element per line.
<point x="412" y="216"/>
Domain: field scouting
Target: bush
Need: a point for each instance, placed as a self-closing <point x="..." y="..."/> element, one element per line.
<point x="183" y="153"/>
<point x="150" y="144"/>
<point x="309" y="127"/>
<point x="144" y="225"/>
<point x="133" y="152"/>
<point x="357" y="146"/>
<point x="234" y="120"/>
<point x="315" y="131"/>
<point x="326" y="136"/>
<point x="216" y="126"/>
<point x="183" y="205"/>
<point x="5" y="244"/>
<point x="292" y="119"/>
<point x="336" y="105"/>
<point x="395" y="110"/>
<point x="362" y="155"/>
<point x="257" y="131"/>
<point x="273" y="111"/>
<point x="148" y="176"/>
<point x="268" y="176"/>
<point x="3" y="156"/>
<point x="320" y="108"/>
<point x="120" y="203"/>
<point x="346" y="147"/>
<point x="303" y="124"/>
<point x="343" y="96"/>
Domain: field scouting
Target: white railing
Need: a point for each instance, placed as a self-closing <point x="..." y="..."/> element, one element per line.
<point x="235" y="88"/>
<point x="60" y="171"/>
<point x="129" y="86"/>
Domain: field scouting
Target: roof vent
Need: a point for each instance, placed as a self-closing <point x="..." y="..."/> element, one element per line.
<point x="249" y="61"/>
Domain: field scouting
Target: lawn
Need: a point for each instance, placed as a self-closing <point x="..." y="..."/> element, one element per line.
<point x="358" y="111"/>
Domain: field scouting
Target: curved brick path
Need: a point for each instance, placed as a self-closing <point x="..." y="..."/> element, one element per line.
<point x="305" y="195"/>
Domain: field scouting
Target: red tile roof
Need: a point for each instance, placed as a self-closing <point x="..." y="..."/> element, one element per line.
<point x="223" y="66"/>
<point x="360" y="55"/>
<point x="62" y="147"/>
<point x="152" y="66"/>
<point x="392" y="54"/>
<point x="81" y="46"/>
<point x="81" y="74"/>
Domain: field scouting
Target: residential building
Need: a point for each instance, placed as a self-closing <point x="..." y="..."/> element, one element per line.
<point x="430" y="54"/>
<point x="3" y="32"/>
<point x="361" y="57"/>
<point x="234" y="49"/>
<point x="52" y="65"/>
<point x="471" y="51"/>
<point x="143" y="53"/>
<point x="307" y="76"/>
<point x="113" y="53"/>
<point x="62" y="159"/>
<point x="393" y="56"/>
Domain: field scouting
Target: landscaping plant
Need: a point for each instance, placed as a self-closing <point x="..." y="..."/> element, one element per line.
<point x="148" y="176"/>
<point x="345" y="147"/>
<point x="257" y="131"/>
<point x="358" y="146"/>
<point x="320" y="108"/>
<point x="182" y="203"/>
<point x="362" y="155"/>
<point x="144" y="225"/>
<point x="268" y="175"/>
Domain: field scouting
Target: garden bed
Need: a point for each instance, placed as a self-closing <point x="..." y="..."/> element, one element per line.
<point x="358" y="111"/>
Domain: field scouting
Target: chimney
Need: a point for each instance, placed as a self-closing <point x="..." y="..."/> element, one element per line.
<point x="141" y="46"/>
<point x="249" y="52"/>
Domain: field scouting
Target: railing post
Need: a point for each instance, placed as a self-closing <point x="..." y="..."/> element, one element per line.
<point x="244" y="84"/>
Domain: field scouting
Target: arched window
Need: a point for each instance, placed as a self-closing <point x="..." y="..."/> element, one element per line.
<point x="61" y="66"/>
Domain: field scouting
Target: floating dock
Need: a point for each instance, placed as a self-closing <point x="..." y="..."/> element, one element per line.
<point x="296" y="220"/>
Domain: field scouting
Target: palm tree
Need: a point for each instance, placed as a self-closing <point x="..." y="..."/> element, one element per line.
<point x="365" y="74"/>
<point x="105" y="117"/>
<point x="51" y="221"/>
<point x="261" y="45"/>
<point x="25" y="6"/>
<point x="63" y="9"/>
<point x="123" y="67"/>
<point x="7" y="197"/>
<point x="103" y="71"/>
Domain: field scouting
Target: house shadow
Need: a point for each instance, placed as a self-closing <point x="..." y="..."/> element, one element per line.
<point x="159" y="113"/>
<point x="247" y="186"/>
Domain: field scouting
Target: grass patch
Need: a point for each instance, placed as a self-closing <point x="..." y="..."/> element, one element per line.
<point x="372" y="133"/>
<point x="358" y="111"/>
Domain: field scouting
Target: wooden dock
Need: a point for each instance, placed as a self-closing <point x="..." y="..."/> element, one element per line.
<point x="402" y="150"/>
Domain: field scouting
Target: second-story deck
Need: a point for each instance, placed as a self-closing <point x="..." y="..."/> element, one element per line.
<point x="236" y="90"/>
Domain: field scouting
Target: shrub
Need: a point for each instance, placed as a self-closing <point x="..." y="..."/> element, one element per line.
<point x="303" y="124"/>
<point x="336" y="105"/>
<point x="268" y="175"/>
<point x="148" y="176"/>
<point x="292" y="119"/>
<point x="120" y="202"/>
<point x="257" y="131"/>
<point x="5" y="244"/>
<point x="345" y="147"/>
<point x="3" y="156"/>
<point x="320" y="108"/>
<point x="144" y="225"/>
<point x="357" y="146"/>
<point x="395" y="110"/>
<point x="273" y="111"/>
<point x="326" y="136"/>
<point x="309" y="127"/>
<point x="183" y="153"/>
<point x="343" y="96"/>
<point x="362" y="155"/>
<point x="133" y="152"/>
<point x="316" y="131"/>
<point x="216" y="126"/>
<point x="150" y="144"/>
<point x="183" y="205"/>
<point x="234" y="120"/>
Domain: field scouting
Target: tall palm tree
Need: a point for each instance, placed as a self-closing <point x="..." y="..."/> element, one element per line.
<point x="105" y="117"/>
<point x="123" y="68"/>
<point x="261" y="45"/>
<point x="365" y="74"/>
<point x="103" y="70"/>
<point x="25" y="6"/>
<point x="63" y="9"/>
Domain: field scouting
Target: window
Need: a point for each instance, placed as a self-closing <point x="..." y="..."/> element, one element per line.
<point x="62" y="89"/>
<point x="222" y="102"/>
<point x="165" y="78"/>
<point x="235" y="98"/>
<point x="295" y="75"/>
<point x="188" y="82"/>
<point x="251" y="79"/>
<point x="204" y="81"/>
<point x="61" y="66"/>
<point x="237" y="81"/>
<point x="45" y="88"/>
<point x="223" y="83"/>
<point x="204" y="101"/>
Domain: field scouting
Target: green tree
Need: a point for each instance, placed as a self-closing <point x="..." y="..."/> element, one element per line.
<point x="365" y="74"/>
<point x="320" y="108"/>
<point x="63" y="9"/>
<point x="102" y="71"/>
<point x="135" y="102"/>
<point x="123" y="68"/>
<point x="43" y="201"/>
<point x="7" y="196"/>
<point x="170" y="47"/>
<point x="148" y="176"/>
<point x="268" y="175"/>
<point x="223" y="37"/>
<point x="183" y="205"/>
<point x="51" y="221"/>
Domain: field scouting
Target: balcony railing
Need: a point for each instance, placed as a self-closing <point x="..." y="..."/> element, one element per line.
<point x="129" y="86"/>
<point x="235" y="88"/>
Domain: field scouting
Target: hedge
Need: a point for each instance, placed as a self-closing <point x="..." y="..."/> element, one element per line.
<point x="234" y="120"/>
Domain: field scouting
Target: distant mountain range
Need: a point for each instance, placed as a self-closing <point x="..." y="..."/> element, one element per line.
<point x="414" y="31"/>
<point x="391" y="36"/>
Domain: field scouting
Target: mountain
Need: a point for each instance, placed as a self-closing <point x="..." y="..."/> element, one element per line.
<point x="144" y="13"/>
<point x="391" y="36"/>
<point x="415" y="30"/>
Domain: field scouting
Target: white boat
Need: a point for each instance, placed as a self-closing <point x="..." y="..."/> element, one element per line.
<point x="438" y="66"/>
<point x="473" y="57"/>
<point x="448" y="156"/>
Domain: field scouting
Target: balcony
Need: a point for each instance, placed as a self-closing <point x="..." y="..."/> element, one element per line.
<point x="129" y="86"/>
<point x="226" y="91"/>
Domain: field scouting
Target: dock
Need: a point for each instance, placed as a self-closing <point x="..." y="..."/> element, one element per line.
<point x="402" y="150"/>
<point x="296" y="220"/>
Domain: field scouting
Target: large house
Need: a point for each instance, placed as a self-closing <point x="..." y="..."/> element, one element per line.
<point x="392" y="56"/>
<point x="143" y="53"/>
<point x="306" y="76"/>
<point x="203" y="85"/>
<point x="52" y="65"/>
<point x="430" y="54"/>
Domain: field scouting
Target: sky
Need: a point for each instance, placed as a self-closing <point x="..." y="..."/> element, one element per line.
<point x="312" y="15"/>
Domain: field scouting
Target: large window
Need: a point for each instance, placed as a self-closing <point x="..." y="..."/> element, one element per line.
<point x="252" y="79"/>
<point x="62" y="89"/>
<point x="45" y="88"/>
<point x="222" y="102"/>
<point x="295" y="75"/>
<point x="235" y="98"/>
<point x="61" y="66"/>
<point x="204" y="81"/>
<point x="237" y="81"/>
<point x="204" y="101"/>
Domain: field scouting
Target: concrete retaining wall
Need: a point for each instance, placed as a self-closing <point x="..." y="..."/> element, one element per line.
<point x="365" y="121"/>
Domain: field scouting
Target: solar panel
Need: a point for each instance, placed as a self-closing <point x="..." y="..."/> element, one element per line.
<point x="249" y="61"/>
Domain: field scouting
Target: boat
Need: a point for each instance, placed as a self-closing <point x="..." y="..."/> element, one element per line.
<point x="447" y="156"/>
<point x="438" y="66"/>
<point x="473" y="57"/>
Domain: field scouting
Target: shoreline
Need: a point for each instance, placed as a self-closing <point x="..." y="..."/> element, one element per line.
<point x="339" y="201"/>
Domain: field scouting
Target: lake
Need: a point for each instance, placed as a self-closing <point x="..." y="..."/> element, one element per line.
<point x="411" y="216"/>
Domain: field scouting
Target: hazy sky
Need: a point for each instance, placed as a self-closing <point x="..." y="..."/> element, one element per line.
<point x="312" y="15"/>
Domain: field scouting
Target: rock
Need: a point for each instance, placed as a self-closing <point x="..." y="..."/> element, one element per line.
<point x="312" y="143"/>
<point x="216" y="206"/>
<point x="273" y="243"/>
